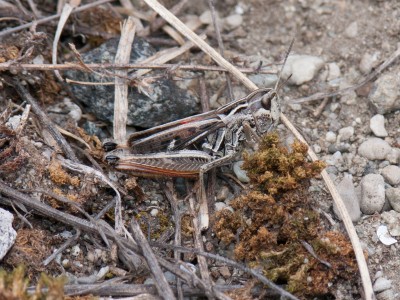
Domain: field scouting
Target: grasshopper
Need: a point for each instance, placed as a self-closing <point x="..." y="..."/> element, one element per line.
<point x="163" y="150"/>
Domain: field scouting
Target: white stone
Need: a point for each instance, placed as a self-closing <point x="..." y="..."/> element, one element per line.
<point x="368" y="62"/>
<point x="206" y="17"/>
<point x="384" y="236"/>
<point x="374" y="148"/>
<point x="76" y="250"/>
<point x="154" y="212"/>
<point x="345" y="133"/>
<point x="352" y="30"/>
<point x="393" y="195"/>
<point x="302" y="68"/>
<point x="240" y="173"/>
<point x="391" y="174"/>
<point x="372" y="194"/>
<point x="317" y="148"/>
<point x="330" y="137"/>
<point x="220" y="206"/>
<point x="333" y="71"/>
<point x="7" y="232"/>
<point x="233" y="21"/>
<point x="377" y="125"/>
<point x="348" y="193"/>
<point x="382" y="284"/>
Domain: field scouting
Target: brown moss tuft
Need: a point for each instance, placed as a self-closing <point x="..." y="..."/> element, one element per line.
<point x="273" y="223"/>
<point x="59" y="176"/>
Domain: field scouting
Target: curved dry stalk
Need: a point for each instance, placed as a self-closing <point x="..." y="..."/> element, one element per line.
<point x="362" y="264"/>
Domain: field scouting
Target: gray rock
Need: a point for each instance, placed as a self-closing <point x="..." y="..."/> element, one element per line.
<point x="394" y="156"/>
<point x="393" y="195"/>
<point x="385" y="93"/>
<point x="348" y="193"/>
<point x="352" y="30"/>
<point x="302" y="67"/>
<point x="377" y="125"/>
<point x="392" y="219"/>
<point x="335" y="159"/>
<point x="374" y="148"/>
<point x="263" y="80"/>
<point x="165" y="101"/>
<point x="386" y="295"/>
<point x="372" y="194"/>
<point x="382" y="284"/>
<point x="391" y="174"/>
<point x="345" y="133"/>
<point x="7" y="232"/>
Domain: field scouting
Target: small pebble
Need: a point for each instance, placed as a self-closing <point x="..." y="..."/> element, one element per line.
<point x="330" y="137"/>
<point x="154" y="212"/>
<point x="391" y="174"/>
<point x="374" y="148"/>
<point x="335" y="159"/>
<point x="393" y="195"/>
<point x="222" y="193"/>
<point x="384" y="236"/>
<point x="76" y="250"/>
<point x="372" y="194"/>
<point x="317" y="148"/>
<point x="348" y="193"/>
<point x="295" y="106"/>
<point x="333" y="71"/>
<point x="224" y="271"/>
<point x="382" y="284"/>
<point x="206" y="17"/>
<point x="233" y="21"/>
<point x="394" y="156"/>
<point x="220" y="206"/>
<point x="378" y="274"/>
<point x="345" y="133"/>
<point x="240" y="174"/>
<point x="368" y="62"/>
<point x="302" y="67"/>
<point x="377" y="125"/>
<point x="352" y="30"/>
<point x="392" y="219"/>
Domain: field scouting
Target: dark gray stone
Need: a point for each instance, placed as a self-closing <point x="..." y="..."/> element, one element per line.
<point x="166" y="101"/>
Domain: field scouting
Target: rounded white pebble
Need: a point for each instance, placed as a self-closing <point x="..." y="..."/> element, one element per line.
<point x="377" y="125"/>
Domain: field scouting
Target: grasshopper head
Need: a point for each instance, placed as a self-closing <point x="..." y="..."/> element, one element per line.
<point x="266" y="111"/>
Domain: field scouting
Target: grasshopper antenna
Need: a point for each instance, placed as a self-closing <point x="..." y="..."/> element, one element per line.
<point x="278" y="84"/>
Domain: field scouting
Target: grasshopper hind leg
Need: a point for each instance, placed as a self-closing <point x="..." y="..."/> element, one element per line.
<point x="204" y="218"/>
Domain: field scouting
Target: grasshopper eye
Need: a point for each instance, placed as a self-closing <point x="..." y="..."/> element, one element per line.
<point x="267" y="99"/>
<point x="112" y="159"/>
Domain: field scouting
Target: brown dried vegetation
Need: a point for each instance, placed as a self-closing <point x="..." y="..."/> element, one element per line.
<point x="272" y="222"/>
